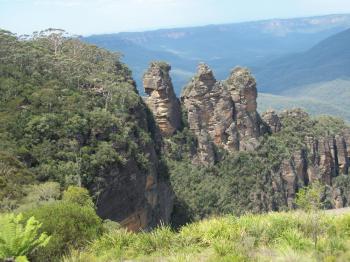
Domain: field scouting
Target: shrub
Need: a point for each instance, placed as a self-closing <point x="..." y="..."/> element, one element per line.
<point x="13" y="176"/>
<point x="39" y="194"/>
<point x="78" y="195"/>
<point x="110" y="226"/>
<point x="310" y="200"/>
<point x="70" y="225"/>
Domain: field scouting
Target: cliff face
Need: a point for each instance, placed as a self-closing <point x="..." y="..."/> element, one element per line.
<point x="323" y="158"/>
<point x="161" y="99"/>
<point x="222" y="113"/>
<point x="272" y="121"/>
<point x="242" y="88"/>
<point x="138" y="197"/>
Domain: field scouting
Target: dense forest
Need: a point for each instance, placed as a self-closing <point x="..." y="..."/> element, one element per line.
<point x="66" y="113"/>
<point x="72" y="124"/>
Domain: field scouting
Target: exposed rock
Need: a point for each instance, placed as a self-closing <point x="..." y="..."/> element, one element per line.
<point x="272" y="121"/>
<point x="321" y="158"/>
<point x="329" y="158"/>
<point x="327" y="161"/>
<point x="342" y="156"/>
<point x="295" y="113"/>
<point x="242" y="88"/>
<point x="222" y="113"/>
<point x="300" y="164"/>
<point x="290" y="180"/>
<point x="337" y="196"/>
<point x="162" y="100"/>
<point x="346" y="135"/>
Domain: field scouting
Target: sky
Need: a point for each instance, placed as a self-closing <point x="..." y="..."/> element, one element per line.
<point x="85" y="17"/>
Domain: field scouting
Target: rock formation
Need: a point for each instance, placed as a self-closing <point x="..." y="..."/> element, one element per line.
<point x="161" y="99"/>
<point x="272" y="121"/>
<point x="323" y="159"/>
<point x="222" y="113"/>
<point x="242" y="88"/>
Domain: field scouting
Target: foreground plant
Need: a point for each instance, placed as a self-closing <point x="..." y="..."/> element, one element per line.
<point x="310" y="200"/>
<point x="284" y="236"/>
<point x="18" y="239"/>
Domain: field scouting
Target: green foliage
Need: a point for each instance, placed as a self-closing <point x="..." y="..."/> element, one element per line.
<point x="244" y="181"/>
<point x="310" y="198"/>
<point x="69" y="113"/>
<point x="78" y="195"/>
<point x="247" y="238"/>
<point x="70" y="225"/>
<point x="40" y="194"/>
<point x="19" y="239"/>
<point x="238" y="184"/>
<point x="110" y="226"/>
<point x="328" y="125"/>
<point x="13" y="176"/>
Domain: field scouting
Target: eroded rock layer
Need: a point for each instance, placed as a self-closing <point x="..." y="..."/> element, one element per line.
<point x="161" y="98"/>
<point x="323" y="159"/>
<point x="272" y="121"/>
<point x="222" y="113"/>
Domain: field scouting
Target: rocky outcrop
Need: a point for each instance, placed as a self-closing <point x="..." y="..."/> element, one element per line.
<point x="272" y="121"/>
<point x="222" y="113"/>
<point x="242" y="88"/>
<point x="322" y="159"/>
<point x="161" y="99"/>
<point x="341" y="147"/>
<point x="210" y="114"/>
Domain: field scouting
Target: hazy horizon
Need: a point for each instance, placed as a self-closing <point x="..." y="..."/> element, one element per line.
<point x="107" y="16"/>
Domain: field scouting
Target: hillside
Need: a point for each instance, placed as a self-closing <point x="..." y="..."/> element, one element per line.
<point x="222" y="46"/>
<point x="314" y="102"/>
<point x="70" y="114"/>
<point x="336" y="92"/>
<point x="327" y="61"/>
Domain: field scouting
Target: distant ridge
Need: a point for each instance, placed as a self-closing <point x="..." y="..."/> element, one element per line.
<point x="222" y="46"/>
<point x="329" y="60"/>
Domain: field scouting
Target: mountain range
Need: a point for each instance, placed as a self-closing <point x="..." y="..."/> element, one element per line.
<point x="318" y="79"/>
<point x="291" y="58"/>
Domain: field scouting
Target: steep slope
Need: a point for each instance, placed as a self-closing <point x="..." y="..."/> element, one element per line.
<point x="223" y="46"/>
<point x="70" y="113"/>
<point x="329" y="60"/>
<point x="313" y="104"/>
<point x="335" y="92"/>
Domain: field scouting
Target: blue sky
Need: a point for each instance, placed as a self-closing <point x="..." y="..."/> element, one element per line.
<point x="106" y="16"/>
